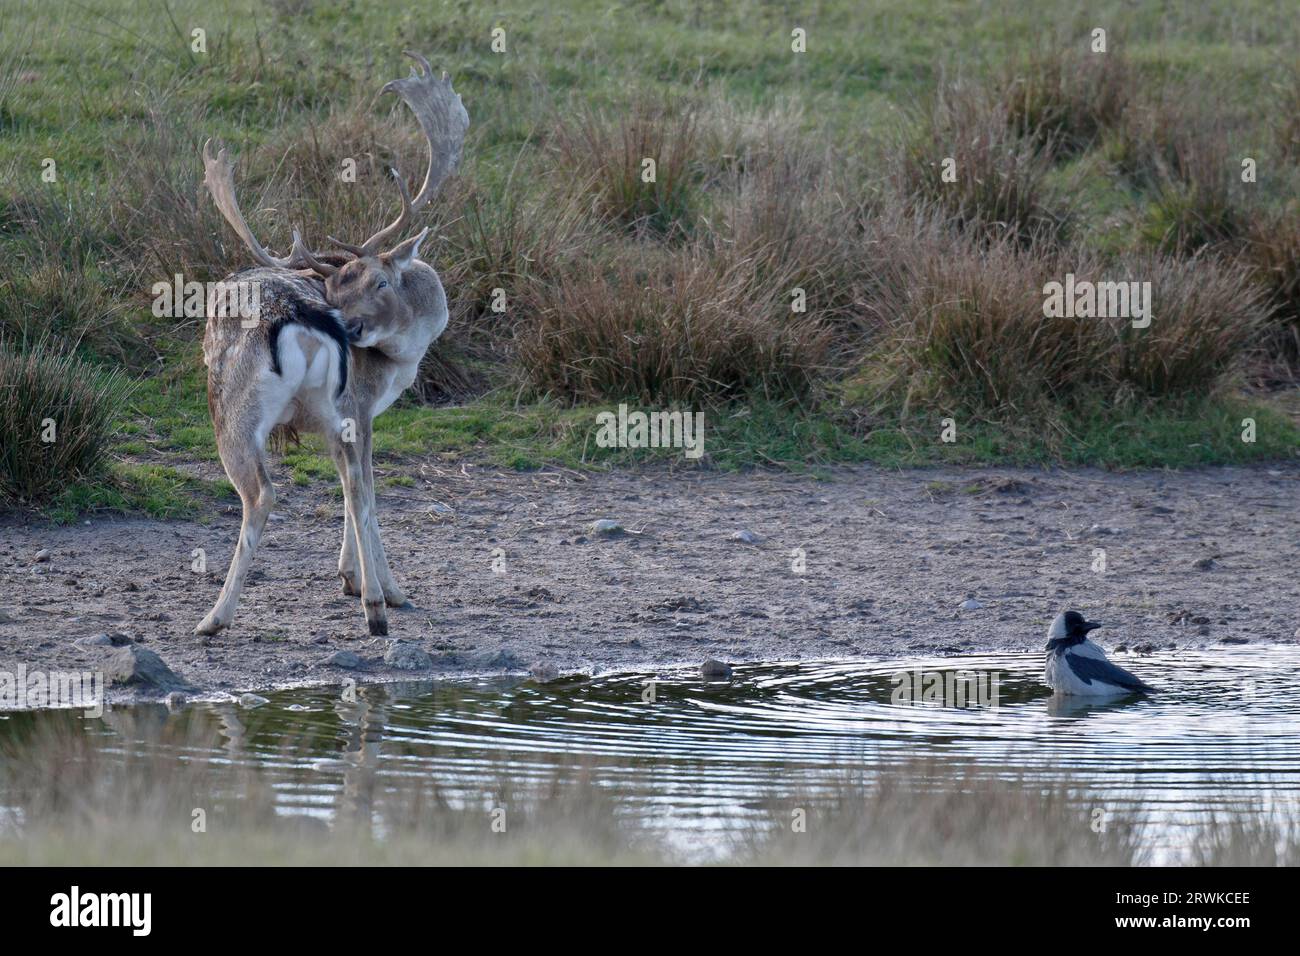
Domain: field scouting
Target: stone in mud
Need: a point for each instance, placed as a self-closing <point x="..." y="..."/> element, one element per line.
<point x="451" y="661"/>
<point x="715" y="670"/>
<point x="503" y="660"/>
<point x="685" y="605"/>
<point x="252" y="700"/>
<point x="42" y="555"/>
<point x="407" y="657"/>
<point x="143" y="669"/>
<point x="1234" y="640"/>
<point x="1204" y="564"/>
<point x="744" y="536"/>
<point x="970" y="604"/>
<point x="543" y="672"/>
<point x="344" y="659"/>
<point x="607" y="527"/>
<point x="6" y="617"/>
<point x="176" y="700"/>
<point x="101" y="640"/>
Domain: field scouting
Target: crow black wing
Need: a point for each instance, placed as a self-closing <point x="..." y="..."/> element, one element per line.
<point x="1093" y="668"/>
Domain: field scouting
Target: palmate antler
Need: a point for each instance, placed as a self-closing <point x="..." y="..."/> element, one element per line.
<point x="219" y="177"/>
<point x="442" y="118"/>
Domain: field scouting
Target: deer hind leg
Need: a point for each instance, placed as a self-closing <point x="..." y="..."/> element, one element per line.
<point x="347" y="459"/>
<point x="245" y="464"/>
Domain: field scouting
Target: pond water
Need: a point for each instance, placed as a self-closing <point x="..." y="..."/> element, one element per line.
<point x="692" y="758"/>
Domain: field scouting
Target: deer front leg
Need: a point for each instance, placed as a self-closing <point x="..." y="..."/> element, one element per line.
<point x="393" y="594"/>
<point x="348" y="558"/>
<point x="347" y="459"/>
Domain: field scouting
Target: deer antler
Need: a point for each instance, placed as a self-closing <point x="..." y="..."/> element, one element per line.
<point x="219" y="177"/>
<point x="443" y="119"/>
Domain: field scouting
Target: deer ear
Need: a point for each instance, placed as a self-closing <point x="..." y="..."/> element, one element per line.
<point x="404" y="253"/>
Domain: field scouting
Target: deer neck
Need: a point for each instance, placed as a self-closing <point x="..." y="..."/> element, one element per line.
<point x="428" y="302"/>
<point x="394" y="363"/>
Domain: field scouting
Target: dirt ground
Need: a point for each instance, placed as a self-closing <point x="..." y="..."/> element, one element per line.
<point x="886" y="561"/>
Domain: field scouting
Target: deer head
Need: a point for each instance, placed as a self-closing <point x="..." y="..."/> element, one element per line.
<point x="381" y="294"/>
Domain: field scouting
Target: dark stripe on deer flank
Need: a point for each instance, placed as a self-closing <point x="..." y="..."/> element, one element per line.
<point x="321" y="320"/>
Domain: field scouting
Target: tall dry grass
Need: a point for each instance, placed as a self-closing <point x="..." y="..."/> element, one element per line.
<point x="508" y="237"/>
<point x="666" y="326"/>
<point x="923" y="814"/>
<point x="56" y="415"/>
<point x="1065" y="99"/>
<point x="58" y="284"/>
<point x="793" y="216"/>
<point x="71" y="800"/>
<point x="1000" y="186"/>
<point x="80" y="804"/>
<point x="1272" y="253"/>
<point x="1286" y="124"/>
<point x="1180" y="150"/>
<point x="964" y="328"/>
<point x="1208" y="315"/>
<point x="680" y="290"/>
<point x="608" y="152"/>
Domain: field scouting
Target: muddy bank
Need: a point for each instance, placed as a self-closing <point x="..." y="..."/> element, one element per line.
<point x="503" y="573"/>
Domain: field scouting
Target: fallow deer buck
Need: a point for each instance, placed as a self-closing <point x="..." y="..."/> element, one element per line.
<point x="340" y="337"/>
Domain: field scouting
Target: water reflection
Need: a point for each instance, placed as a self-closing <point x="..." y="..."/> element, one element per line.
<point x="1061" y="705"/>
<point x="691" y="758"/>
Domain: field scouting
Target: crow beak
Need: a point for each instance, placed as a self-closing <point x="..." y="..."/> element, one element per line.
<point x="1091" y="625"/>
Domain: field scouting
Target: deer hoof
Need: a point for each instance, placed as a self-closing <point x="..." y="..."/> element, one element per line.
<point x="209" y="625"/>
<point x="376" y="620"/>
<point x="349" y="585"/>
<point x="396" y="599"/>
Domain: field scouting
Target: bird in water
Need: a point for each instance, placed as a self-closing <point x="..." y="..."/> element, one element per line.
<point x="1075" y="665"/>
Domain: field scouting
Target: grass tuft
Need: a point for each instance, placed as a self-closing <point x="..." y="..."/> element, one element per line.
<point x="57" y="415"/>
<point x="1065" y="100"/>
<point x="670" y="326"/>
<point x="966" y="332"/>
<point x="1000" y="186"/>
<point x="611" y="152"/>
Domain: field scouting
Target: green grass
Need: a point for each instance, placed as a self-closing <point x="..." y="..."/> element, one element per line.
<point x="83" y="82"/>
<point x="157" y="491"/>
<point x="171" y="423"/>
<point x="1190" y="434"/>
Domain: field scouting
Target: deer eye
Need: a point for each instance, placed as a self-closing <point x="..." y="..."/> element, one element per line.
<point x="382" y="284"/>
